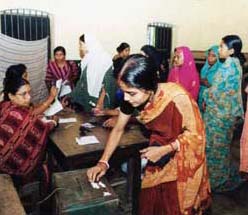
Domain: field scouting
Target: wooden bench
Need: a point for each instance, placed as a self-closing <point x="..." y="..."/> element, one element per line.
<point x="10" y="203"/>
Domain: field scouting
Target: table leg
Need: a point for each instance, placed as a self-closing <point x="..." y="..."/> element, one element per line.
<point x="134" y="182"/>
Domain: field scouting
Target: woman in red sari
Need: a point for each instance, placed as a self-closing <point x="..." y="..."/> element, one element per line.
<point x="22" y="132"/>
<point x="175" y="180"/>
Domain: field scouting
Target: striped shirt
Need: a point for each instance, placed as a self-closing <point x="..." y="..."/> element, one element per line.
<point x="68" y="72"/>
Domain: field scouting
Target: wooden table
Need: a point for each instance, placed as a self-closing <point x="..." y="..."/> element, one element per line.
<point x="70" y="155"/>
<point x="10" y="202"/>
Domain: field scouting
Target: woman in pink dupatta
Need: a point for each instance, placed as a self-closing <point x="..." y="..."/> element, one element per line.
<point x="184" y="71"/>
<point x="244" y="144"/>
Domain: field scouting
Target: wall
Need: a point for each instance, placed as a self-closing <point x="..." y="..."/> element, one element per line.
<point x="197" y="23"/>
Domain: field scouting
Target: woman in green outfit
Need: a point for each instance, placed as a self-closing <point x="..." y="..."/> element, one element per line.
<point x="96" y="72"/>
<point x="223" y="107"/>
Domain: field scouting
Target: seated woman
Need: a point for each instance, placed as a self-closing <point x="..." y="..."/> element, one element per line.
<point x="207" y="73"/>
<point x="20" y="71"/>
<point x="184" y="71"/>
<point x="60" y="68"/>
<point x="96" y="72"/>
<point x="176" y="180"/>
<point x="23" y="134"/>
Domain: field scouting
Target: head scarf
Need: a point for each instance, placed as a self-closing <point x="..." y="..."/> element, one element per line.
<point x="207" y="71"/>
<point x="186" y="74"/>
<point x="97" y="62"/>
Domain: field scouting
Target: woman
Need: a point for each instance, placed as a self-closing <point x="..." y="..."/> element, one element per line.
<point x="223" y="108"/>
<point x="175" y="180"/>
<point x="60" y="68"/>
<point x="22" y="132"/>
<point x="123" y="51"/>
<point x="184" y="71"/>
<point x="244" y="145"/>
<point x="96" y="67"/>
<point x="162" y="67"/>
<point x="20" y="71"/>
<point x="207" y="73"/>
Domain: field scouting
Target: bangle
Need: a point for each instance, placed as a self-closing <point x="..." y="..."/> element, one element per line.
<point x="45" y="104"/>
<point x="104" y="162"/>
<point x="54" y="122"/>
<point x="173" y="149"/>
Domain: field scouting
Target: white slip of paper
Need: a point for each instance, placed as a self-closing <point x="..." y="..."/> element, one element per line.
<point x="86" y="140"/>
<point x="67" y="120"/>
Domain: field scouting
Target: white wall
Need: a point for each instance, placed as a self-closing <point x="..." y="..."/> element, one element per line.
<point x="197" y="23"/>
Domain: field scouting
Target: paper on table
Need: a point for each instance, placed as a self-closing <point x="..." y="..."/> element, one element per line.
<point x="67" y="120"/>
<point x="87" y="140"/>
<point x="54" y="108"/>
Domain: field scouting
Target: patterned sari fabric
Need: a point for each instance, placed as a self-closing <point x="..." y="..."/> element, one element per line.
<point x="223" y="106"/>
<point x="208" y="72"/>
<point x="22" y="140"/>
<point x="174" y="115"/>
<point x="244" y="146"/>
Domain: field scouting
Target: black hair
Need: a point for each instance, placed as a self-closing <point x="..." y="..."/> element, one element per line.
<point x="234" y="42"/>
<point x="82" y="38"/>
<point x="12" y="85"/>
<point x="59" y="48"/>
<point x="140" y="72"/>
<point x="15" y="71"/>
<point x="122" y="47"/>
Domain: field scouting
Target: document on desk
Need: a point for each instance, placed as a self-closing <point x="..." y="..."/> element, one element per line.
<point x="67" y="120"/>
<point x="87" y="140"/>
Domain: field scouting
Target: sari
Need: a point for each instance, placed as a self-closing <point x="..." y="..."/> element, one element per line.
<point x="181" y="186"/>
<point x="223" y="106"/>
<point x="186" y="74"/>
<point x="208" y="72"/>
<point x="244" y="146"/>
<point x="22" y="140"/>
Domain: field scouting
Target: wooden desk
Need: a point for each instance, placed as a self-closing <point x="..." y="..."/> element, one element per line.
<point x="70" y="155"/>
<point x="10" y="202"/>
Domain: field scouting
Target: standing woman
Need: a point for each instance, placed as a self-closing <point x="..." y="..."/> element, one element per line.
<point x="96" y="71"/>
<point x="184" y="71"/>
<point x="223" y="107"/>
<point x="175" y="180"/>
<point x="207" y="73"/>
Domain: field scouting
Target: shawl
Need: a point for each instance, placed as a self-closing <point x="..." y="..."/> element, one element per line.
<point x="188" y="166"/>
<point x="186" y="74"/>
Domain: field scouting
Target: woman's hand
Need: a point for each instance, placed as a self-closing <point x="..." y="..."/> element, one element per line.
<point x="110" y="123"/>
<point x="96" y="172"/>
<point x="152" y="153"/>
<point x="53" y="92"/>
<point x="97" y="112"/>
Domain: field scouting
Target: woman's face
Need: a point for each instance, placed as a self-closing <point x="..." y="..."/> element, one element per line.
<point x="22" y="96"/>
<point x="125" y="53"/>
<point x="134" y="96"/>
<point x="25" y="75"/>
<point x="82" y="49"/>
<point x="178" y="58"/>
<point x="59" y="56"/>
<point x="212" y="58"/>
<point x="224" y="52"/>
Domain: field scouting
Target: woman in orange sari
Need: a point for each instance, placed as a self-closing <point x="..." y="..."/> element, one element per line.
<point x="175" y="180"/>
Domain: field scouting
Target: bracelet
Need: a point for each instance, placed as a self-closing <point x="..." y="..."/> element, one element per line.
<point x="173" y="149"/>
<point x="45" y="104"/>
<point x="54" y="122"/>
<point x="104" y="162"/>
